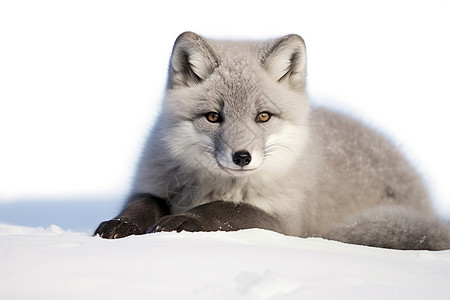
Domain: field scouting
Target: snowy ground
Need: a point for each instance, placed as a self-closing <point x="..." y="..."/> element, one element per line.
<point x="51" y="263"/>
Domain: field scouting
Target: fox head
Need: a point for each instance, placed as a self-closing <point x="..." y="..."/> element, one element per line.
<point x="236" y="108"/>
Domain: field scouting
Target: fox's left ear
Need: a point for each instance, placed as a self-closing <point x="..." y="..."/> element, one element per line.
<point x="285" y="61"/>
<point x="192" y="60"/>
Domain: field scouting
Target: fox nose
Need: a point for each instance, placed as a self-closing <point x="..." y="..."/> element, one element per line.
<point x="242" y="158"/>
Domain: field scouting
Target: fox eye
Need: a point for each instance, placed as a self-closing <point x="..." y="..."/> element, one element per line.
<point x="263" y="117"/>
<point x="213" y="117"/>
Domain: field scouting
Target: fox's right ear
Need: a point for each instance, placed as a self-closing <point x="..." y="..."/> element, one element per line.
<point x="284" y="59"/>
<point x="192" y="61"/>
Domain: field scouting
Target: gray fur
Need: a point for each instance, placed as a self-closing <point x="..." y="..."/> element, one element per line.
<point x="393" y="227"/>
<point x="319" y="172"/>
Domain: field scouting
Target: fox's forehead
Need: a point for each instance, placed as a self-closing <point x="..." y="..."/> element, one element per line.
<point x="235" y="87"/>
<point x="236" y="79"/>
<point x="237" y="58"/>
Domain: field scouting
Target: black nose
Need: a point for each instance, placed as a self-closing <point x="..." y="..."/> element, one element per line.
<point x="242" y="158"/>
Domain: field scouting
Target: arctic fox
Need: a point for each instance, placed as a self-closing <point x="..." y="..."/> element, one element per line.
<point x="238" y="146"/>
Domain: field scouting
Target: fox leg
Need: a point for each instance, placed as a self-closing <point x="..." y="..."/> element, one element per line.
<point x="141" y="212"/>
<point x="218" y="216"/>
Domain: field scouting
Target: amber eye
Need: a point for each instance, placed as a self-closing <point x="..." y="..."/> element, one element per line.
<point x="213" y="117"/>
<point x="263" y="117"/>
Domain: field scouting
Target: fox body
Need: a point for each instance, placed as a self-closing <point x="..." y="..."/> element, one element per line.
<point x="237" y="145"/>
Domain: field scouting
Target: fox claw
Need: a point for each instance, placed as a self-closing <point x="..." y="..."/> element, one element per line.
<point x="117" y="228"/>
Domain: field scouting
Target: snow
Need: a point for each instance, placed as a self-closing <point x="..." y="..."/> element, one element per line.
<point x="51" y="263"/>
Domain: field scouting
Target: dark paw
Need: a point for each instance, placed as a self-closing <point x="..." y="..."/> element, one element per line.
<point x="177" y="223"/>
<point x="117" y="228"/>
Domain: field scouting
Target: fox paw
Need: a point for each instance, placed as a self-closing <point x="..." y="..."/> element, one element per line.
<point x="177" y="223"/>
<point x="117" y="228"/>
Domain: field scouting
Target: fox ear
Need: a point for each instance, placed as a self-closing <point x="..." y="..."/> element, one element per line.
<point x="192" y="60"/>
<point x="285" y="60"/>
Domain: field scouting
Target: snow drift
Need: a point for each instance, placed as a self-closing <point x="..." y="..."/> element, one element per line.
<point x="52" y="263"/>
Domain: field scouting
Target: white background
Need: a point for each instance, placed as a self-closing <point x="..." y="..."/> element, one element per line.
<point x="81" y="81"/>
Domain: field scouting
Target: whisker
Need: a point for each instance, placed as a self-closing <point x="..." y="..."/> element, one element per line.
<point x="273" y="147"/>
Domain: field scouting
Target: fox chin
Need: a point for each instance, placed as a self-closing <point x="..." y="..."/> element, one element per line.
<point x="237" y="145"/>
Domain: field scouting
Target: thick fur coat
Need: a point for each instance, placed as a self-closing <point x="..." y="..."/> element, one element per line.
<point x="237" y="145"/>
